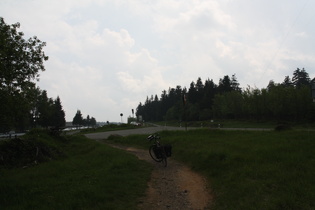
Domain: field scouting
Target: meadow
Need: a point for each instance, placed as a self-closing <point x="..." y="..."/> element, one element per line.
<point x="248" y="169"/>
<point x="85" y="175"/>
<point x="245" y="170"/>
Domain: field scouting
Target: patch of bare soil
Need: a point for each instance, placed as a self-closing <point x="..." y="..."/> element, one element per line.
<point x="172" y="187"/>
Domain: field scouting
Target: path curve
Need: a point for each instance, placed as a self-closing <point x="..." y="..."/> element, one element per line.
<point x="173" y="187"/>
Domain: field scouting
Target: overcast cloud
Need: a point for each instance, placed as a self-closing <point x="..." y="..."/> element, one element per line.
<point x="106" y="56"/>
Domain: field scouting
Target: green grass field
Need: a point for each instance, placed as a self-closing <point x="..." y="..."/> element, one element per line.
<point x="89" y="175"/>
<point x="245" y="170"/>
<point x="248" y="169"/>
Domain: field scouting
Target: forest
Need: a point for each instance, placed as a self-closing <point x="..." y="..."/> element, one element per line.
<point x="288" y="101"/>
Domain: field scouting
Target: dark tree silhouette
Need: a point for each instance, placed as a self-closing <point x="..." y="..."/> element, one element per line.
<point x="78" y="119"/>
<point x="300" y="78"/>
<point x="21" y="61"/>
<point x="288" y="101"/>
<point x="58" y="114"/>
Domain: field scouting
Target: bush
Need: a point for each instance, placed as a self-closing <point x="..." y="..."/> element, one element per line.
<point x="29" y="150"/>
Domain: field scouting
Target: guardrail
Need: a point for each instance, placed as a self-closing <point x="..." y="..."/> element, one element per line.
<point x="10" y="135"/>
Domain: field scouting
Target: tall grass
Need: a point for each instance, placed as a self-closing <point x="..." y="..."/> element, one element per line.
<point x="249" y="169"/>
<point x="91" y="175"/>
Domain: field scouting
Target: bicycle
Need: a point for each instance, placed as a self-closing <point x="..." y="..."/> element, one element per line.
<point x="157" y="151"/>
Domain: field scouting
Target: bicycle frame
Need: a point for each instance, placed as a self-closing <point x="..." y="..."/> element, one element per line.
<point x="156" y="150"/>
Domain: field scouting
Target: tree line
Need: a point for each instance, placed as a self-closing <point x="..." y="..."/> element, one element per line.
<point x="290" y="100"/>
<point x="23" y="105"/>
<point x="79" y="120"/>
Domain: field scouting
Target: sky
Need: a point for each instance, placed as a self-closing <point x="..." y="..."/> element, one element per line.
<point x="107" y="56"/>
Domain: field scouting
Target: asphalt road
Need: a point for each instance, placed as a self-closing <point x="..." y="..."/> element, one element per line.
<point x="146" y="130"/>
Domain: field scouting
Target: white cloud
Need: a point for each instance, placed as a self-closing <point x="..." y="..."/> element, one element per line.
<point x="98" y="68"/>
<point x="108" y="55"/>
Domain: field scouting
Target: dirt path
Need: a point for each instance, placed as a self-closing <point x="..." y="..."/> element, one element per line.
<point x="172" y="187"/>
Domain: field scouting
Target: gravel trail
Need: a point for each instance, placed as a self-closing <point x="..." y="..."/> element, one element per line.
<point x="173" y="187"/>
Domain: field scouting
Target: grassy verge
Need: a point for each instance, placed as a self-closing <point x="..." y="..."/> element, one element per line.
<point x="89" y="175"/>
<point x="248" y="169"/>
<point x="237" y="124"/>
<point x="221" y="123"/>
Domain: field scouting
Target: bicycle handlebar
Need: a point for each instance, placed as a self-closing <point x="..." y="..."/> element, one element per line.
<point x="153" y="136"/>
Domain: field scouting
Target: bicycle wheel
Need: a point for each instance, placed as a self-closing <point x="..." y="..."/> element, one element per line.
<point x="152" y="150"/>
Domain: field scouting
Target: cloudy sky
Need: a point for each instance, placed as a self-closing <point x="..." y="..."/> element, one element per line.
<point x="106" y="56"/>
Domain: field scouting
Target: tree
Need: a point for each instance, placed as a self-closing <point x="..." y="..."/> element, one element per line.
<point x="93" y="121"/>
<point x="209" y="92"/>
<point x="287" y="82"/>
<point x="271" y="85"/>
<point x="225" y="84"/>
<point x="87" y="120"/>
<point x="200" y="89"/>
<point x="44" y="110"/>
<point x="139" y="110"/>
<point x="234" y="83"/>
<point x="287" y="101"/>
<point x="300" y="78"/>
<point x="21" y="60"/>
<point x="78" y="119"/>
<point x="192" y="93"/>
<point x="58" y="119"/>
<point x="199" y="85"/>
<point x="20" y="63"/>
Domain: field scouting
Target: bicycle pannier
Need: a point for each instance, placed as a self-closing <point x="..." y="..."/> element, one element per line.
<point x="168" y="150"/>
<point x="158" y="152"/>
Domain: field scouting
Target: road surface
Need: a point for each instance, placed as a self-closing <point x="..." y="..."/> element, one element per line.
<point x="146" y="130"/>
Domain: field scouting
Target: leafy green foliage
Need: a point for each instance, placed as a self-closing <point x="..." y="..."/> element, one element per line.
<point x="288" y="101"/>
<point x="46" y="111"/>
<point x="300" y="78"/>
<point x="30" y="150"/>
<point x="90" y="175"/>
<point x="23" y="105"/>
<point x="20" y="62"/>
